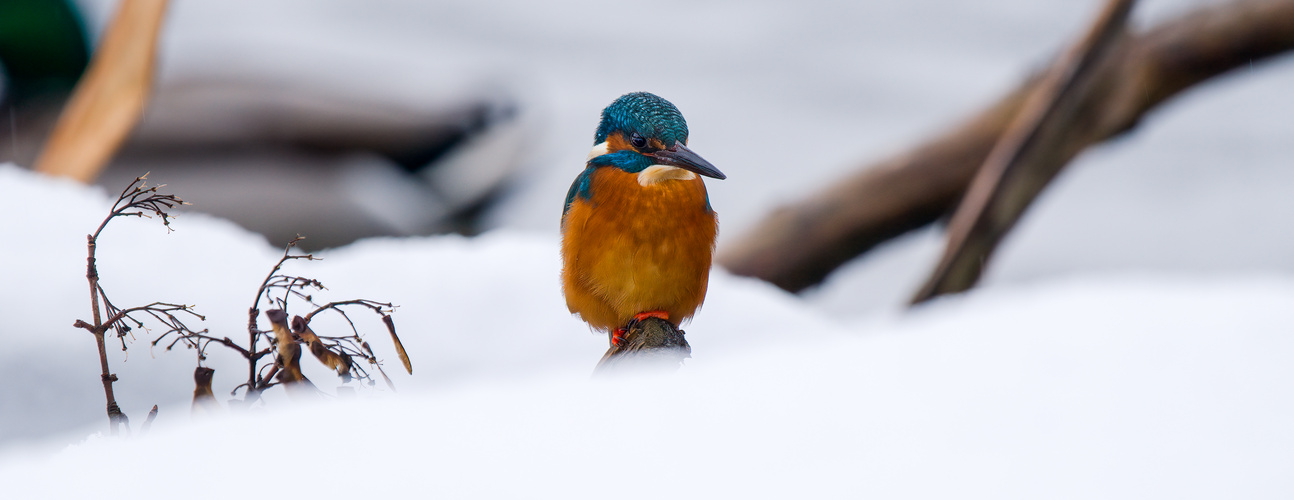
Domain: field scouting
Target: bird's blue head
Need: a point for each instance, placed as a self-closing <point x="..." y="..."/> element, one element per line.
<point x="639" y="130"/>
<point x="644" y="114"/>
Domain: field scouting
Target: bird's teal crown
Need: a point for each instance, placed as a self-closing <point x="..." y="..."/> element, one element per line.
<point x="643" y="113"/>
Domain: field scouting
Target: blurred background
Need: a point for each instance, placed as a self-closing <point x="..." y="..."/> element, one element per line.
<point x="341" y="120"/>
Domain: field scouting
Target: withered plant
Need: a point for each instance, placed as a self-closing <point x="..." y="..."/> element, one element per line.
<point x="273" y="356"/>
<point x="137" y="200"/>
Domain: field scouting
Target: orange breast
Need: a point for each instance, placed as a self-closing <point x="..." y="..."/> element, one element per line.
<point x="633" y="248"/>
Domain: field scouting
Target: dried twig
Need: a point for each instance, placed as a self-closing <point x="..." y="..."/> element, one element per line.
<point x="284" y="340"/>
<point x="148" y="421"/>
<point x="381" y="308"/>
<point x="277" y="289"/>
<point x="203" y="398"/>
<point x="256" y="380"/>
<point x="137" y="200"/>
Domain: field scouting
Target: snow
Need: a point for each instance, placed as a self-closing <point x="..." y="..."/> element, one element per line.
<point x="1114" y="386"/>
<point x="1131" y="339"/>
<point x="444" y="286"/>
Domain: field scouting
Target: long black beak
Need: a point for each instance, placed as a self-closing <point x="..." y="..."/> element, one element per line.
<point x="682" y="157"/>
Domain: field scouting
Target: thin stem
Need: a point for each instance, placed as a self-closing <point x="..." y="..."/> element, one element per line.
<point x="105" y="373"/>
<point x="253" y="384"/>
<point x="135" y="201"/>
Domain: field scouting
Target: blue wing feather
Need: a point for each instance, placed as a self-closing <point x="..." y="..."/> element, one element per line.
<point x="579" y="188"/>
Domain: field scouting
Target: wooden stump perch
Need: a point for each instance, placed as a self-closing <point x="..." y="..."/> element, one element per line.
<point x="650" y="343"/>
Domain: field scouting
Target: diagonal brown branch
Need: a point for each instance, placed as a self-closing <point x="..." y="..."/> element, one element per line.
<point x="110" y="97"/>
<point x="1054" y="125"/>
<point x="798" y="245"/>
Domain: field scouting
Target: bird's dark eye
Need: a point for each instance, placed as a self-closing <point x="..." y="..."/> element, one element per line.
<point x="638" y="141"/>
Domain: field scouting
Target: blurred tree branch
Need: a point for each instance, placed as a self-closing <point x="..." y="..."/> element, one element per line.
<point x="798" y="245"/>
<point x="110" y="97"/>
<point x="1065" y="113"/>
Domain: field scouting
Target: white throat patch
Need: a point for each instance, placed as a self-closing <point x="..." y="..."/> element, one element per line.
<point x="649" y="175"/>
<point x="598" y="150"/>
<point x="658" y="173"/>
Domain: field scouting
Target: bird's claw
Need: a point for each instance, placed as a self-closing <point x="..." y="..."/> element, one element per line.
<point x="618" y="335"/>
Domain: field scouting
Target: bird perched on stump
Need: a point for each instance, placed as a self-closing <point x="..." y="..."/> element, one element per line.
<point x="638" y="230"/>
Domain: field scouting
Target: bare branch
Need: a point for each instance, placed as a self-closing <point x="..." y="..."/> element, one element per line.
<point x="1048" y="131"/>
<point x="368" y="354"/>
<point x="265" y="285"/>
<point x="382" y="308"/>
<point x="798" y="245"/>
<point x="255" y="383"/>
<point x="139" y="200"/>
<point x="136" y="200"/>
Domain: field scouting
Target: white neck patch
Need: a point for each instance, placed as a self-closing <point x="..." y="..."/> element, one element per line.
<point x="598" y="150"/>
<point x="659" y="173"/>
<point x="650" y="175"/>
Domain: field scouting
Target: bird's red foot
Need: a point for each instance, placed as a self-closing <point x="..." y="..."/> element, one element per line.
<point x="618" y="335"/>
<point x="651" y="314"/>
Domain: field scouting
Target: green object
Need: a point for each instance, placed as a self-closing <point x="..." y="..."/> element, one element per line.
<point x="42" y="46"/>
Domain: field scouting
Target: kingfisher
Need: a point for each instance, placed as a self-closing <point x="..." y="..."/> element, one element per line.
<point x="637" y="229"/>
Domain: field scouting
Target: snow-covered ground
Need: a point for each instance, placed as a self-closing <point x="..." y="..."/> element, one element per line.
<point x="1104" y="389"/>
<point x="1115" y="386"/>
<point x="1132" y="339"/>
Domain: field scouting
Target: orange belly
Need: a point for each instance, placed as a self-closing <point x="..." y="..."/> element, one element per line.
<point x="632" y="248"/>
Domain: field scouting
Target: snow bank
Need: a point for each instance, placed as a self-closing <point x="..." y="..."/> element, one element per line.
<point x="469" y="309"/>
<point x="1113" y="387"/>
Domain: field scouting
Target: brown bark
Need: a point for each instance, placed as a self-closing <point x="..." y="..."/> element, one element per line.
<point x="100" y="330"/>
<point x="649" y="343"/>
<point x="798" y="245"/>
<point x="1061" y="117"/>
<point x="110" y="98"/>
